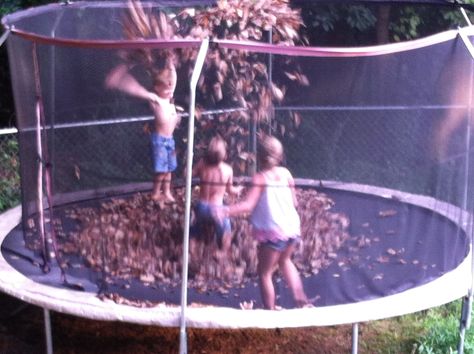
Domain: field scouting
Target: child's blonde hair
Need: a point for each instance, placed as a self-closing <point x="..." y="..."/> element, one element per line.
<point x="216" y="151"/>
<point x="270" y="151"/>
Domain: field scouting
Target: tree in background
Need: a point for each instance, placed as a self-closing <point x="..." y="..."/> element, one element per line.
<point x="369" y="24"/>
<point x="324" y="25"/>
<point x="7" y="115"/>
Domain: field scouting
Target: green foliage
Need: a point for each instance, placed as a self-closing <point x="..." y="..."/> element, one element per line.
<point x="9" y="7"/>
<point x="324" y="20"/>
<point x="355" y="25"/>
<point x="360" y="18"/>
<point x="6" y="98"/>
<point x="407" y="26"/>
<point x="338" y="24"/>
<point x="456" y="17"/>
<point x="441" y="331"/>
<point x="433" y="331"/>
<point x="9" y="174"/>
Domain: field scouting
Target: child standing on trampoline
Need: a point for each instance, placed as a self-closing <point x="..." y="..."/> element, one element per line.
<point x="276" y="223"/>
<point x="165" y="120"/>
<point x="215" y="179"/>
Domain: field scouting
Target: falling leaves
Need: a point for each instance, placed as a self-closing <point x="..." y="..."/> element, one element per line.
<point x="77" y="172"/>
<point x="139" y="23"/>
<point x="230" y="78"/>
<point x="298" y="77"/>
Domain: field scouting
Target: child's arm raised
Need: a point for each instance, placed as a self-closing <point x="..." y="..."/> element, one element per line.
<point x="120" y="79"/>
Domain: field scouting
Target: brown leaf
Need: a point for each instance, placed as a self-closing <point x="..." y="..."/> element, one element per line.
<point x="296" y="119"/>
<point x="378" y="276"/>
<point x="391" y="251"/>
<point x="77" y="172"/>
<point x="278" y="93"/>
<point x="386" y="213"/>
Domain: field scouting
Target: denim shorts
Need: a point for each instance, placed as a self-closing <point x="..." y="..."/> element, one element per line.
<point x="164" y="154"/>
<point x="280" y="245"/>
<point x="204" y="215"/>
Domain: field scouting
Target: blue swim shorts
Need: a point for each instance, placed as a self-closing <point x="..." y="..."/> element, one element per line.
<point x="280" y="245"/>
<point x="204" y="216"/>
<point x="164" y="154"/>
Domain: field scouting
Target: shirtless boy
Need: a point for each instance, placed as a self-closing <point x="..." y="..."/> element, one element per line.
<point x="165" y="121"/>
<point x="216" y="179"/>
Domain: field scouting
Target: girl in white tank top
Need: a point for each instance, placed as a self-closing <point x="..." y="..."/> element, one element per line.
<point x="275" y="218"/>
<point x="272" y="203"/>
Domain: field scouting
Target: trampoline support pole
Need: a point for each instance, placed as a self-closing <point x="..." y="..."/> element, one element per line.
<point x="355" y="337"/>
<point x="183" y="348"/>
<point x="465" y="322"/>
<point x="4" y="36"/>
<point x="466" y="17"/>
<point x="47" y="331"/>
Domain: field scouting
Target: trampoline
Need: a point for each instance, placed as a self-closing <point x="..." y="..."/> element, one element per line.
<point x="378" y="139"/>
<point x="378" y="263"/>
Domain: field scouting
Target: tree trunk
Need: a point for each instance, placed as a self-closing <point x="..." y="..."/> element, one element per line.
<point x="383" y="20"/>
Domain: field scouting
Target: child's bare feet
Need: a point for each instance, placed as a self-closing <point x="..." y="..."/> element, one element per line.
<point x="303" y="303"/>
<point x="169" y="198"/>
<point x="156" y="196"/>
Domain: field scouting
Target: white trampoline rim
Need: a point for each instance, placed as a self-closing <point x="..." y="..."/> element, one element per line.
<point x="449" y="287"/>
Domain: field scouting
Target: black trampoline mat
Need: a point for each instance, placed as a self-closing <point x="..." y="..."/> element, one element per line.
<point x="393" y="246"/>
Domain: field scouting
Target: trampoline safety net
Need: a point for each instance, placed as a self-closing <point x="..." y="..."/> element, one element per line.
<point x="378" y="141"/>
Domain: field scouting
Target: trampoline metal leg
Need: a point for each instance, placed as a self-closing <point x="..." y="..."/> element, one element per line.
<point x="462" y="332"/>
<point x="183" y="345"/>
<point x="47" y="332"/>
<point x="465" y="321"/>
<point x="355" y="337"/>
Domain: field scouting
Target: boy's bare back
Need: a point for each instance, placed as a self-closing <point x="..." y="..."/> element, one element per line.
<point x="215" y="181"/>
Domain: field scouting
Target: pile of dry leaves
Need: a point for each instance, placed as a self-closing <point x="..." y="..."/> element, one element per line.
<point x="135" y="237"/>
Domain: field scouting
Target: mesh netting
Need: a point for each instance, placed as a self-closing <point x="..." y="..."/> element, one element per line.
<point x="395" y="117"/>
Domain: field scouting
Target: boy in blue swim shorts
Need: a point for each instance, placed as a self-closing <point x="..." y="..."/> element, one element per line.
<point x="164" y="154"/>
<point x="204" y="218"/>
<point x="215" y="180"/>
<point x="165" y="120"/>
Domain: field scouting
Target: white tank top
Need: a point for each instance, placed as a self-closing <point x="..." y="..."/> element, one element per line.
<point x="275" y="211"/>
